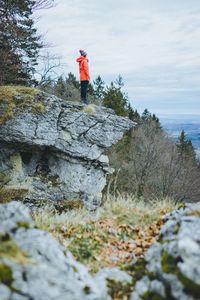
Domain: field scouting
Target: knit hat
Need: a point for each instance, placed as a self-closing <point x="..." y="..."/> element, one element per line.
<point x="83" y="53"/>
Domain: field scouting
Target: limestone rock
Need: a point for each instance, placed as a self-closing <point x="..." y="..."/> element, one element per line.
<point x="108" y="277"/>
<point x="34" y="266"/>
<point x="56" y="152"/>
<point x="173" y="264"/>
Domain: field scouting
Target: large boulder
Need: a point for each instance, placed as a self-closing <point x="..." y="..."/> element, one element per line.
<point x="34" y="266"/>
<point x="173" y="264"/>
<point x="53" y="149"/>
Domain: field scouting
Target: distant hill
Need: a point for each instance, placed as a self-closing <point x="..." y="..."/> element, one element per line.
<point x="174" y="124"/>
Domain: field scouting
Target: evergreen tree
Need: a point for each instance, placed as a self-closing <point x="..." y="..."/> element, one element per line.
<point x="155" y="118"/>
<point x="19" y="43"/>
<point x="60" y="87"/>
<point x="90" y="89"/>
<point x="116" y="99"/>
<point x="133" y="115"/>
<point x="185" y="148"/>
<point x="119" y="81"/>
<point x="146" y="115"/>
<point x="99" y="87"/>
<point x="71" y="80"/>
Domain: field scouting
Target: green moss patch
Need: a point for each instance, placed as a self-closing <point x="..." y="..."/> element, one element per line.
<point x="137" y="270"/>
<point x="24" y="225"/>
<point x="12" y="97"/>
<point x="151" y="296"/>
<point x="169" y="265"/>
<point x="4" y="179"/>
<point x="190" y="287"/>
<point x="87" y="290"/>
<point x="6" y="275"/>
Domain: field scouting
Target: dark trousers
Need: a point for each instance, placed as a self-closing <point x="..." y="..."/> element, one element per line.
<point x="84" y="85"/>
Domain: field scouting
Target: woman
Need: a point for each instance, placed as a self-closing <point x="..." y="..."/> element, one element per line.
<point x="84" y="75"/>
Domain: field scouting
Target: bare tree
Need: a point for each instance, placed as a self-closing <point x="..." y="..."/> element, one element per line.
<point x="49" y="64"/>
<point x="151" y="166"/>
<point x="43" y="4"/>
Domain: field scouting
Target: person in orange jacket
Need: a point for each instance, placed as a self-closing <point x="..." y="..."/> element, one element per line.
<point x="84" y="75"/>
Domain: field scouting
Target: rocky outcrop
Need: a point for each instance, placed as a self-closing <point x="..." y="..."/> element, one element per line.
<point x="173" y="264"/>
<point x="53" y="149"/>
<point x="34" y="266"/>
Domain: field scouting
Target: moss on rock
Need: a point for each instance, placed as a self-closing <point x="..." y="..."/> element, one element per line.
<point x="151" y="296"/>
<point x="18" y="97"/>
<point x="6" y="274"/>
<point x="169" y="263"/>
<point x="4" y="179"/>
<point x="24" y="225"/>
<point x="190" y="287"/>
<point x="87" y="290"/>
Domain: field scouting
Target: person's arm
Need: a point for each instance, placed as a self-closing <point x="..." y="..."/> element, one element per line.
<point x="78" y="59"/>
<point x="86" y="69"/>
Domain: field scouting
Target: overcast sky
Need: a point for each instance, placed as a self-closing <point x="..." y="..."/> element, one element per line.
<point x="154" y="45"/>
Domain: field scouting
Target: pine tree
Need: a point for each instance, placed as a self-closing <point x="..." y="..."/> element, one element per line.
<point x="116" y="99"/>
<point x="60" y="87"/>
<point x="133" y="115"/>
<point x="185" y="148"/>
<point x="99" y="87"/>
<point x="146" y="115"/>
<point x="19" y="43"/>
<point x="71" y="80"/>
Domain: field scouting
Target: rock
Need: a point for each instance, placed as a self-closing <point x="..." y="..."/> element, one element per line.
<point x="114" y="274"/>
<point x="110" y="279"/>
<point x="4" y="292"/>
<point x="14" y="216"/>
<point x="174" y="261"/>
<point x="34" y="266"/>
<point x="56" y="152"/>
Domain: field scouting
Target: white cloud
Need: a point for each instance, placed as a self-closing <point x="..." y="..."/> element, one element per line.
<point x="153" y="44"/>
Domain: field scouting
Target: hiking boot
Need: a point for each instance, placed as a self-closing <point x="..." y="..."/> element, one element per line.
<point x="84" y="101"/>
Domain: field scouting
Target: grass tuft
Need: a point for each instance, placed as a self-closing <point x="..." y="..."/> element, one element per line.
<point x="90" y="109"/>
<point x="13" y="97"/>
<point x="10" y="250"/>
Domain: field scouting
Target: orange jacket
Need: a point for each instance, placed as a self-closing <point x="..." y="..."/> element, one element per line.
<point x="83" y="68"/>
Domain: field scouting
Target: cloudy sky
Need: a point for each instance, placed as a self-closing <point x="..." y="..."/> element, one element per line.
<point x="154" y="45"/>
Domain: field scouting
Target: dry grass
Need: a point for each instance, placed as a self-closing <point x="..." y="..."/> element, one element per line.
<point x="9" y="194"/>
<point x="10" y="250"/>
<point x="7" y="92"/>
<point x="90" y="109"/>
<point x="9" y="102"/>
<point x="117" y="234"/>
